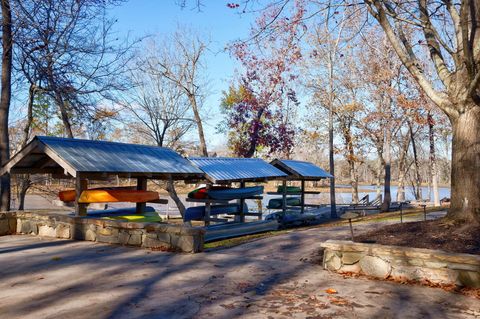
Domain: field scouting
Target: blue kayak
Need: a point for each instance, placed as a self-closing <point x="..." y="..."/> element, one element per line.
<point x="198" y="212"/>
<point x="235" y="193"/>
<point x="117" y="211"/>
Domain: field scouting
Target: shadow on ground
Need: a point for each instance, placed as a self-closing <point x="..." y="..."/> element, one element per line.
<point x="268" y="277"/>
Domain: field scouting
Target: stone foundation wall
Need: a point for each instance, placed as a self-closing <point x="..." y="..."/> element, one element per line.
<point x="146" y="235"/>
<point x="8" y="224"/>
<point x="402" y="263"/>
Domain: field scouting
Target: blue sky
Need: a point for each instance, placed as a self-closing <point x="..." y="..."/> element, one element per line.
<point x="216" y="21"/>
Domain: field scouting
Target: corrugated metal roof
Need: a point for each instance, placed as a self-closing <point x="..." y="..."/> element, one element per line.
<point x="305" y="170"/>
<point x="221" y="169"/>
<point x="103" y="156"/>
<point x="111" y="157"/>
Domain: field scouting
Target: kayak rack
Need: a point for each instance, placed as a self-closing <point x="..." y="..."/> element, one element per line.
<point x="208" y="205"/>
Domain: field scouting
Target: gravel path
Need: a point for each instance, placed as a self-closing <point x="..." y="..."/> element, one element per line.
<point x="268" y="278"/>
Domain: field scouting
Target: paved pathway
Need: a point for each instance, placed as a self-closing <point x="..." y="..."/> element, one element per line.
<point x="268" y="278"/>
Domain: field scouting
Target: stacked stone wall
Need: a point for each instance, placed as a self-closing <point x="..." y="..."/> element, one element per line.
<point x="402" y="263"/>
<point x="147" y="235"/>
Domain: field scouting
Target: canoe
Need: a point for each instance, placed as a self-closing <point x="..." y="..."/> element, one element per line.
<point x="198" y="212"/>
<point x="69" y="195"/>
<point x="202" y="193"/>
<point x="290" y="189"/>
<point x="277" y="202"/>
<point x="116" y="195"/>
<point x="294" y="218"/>
<point x="117" y="211"/>
<point x="236" y="193"/>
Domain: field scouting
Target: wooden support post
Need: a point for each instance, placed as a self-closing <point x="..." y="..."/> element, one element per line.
<point x="284" y="196"/>
<point x="302" y="197"/>
<point x="141" y="186"/>
<point x="208" y="207"/>
<point x="80" y="185"/>
<point x="241" y="204"/>
<point x="351" y="227"/>
<point x="401" y="213"/>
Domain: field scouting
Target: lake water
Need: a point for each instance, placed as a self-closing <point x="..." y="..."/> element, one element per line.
<point x="409" y="192"/>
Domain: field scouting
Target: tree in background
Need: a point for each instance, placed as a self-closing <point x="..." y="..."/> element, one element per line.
<point x="156" y="108"/>
<point x="451" y="34"/>
<point x="66" y="50"/>
<point x="252" y="128"/>
<point x="445" y="36"/>
<point x="262" y="102"/>
<point x="328" y="41"/>
<point x="180" y="59"/>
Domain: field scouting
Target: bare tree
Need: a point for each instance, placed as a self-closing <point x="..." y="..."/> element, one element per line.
<point x="159" y="108"/>
<point x="327" y="46"/>
<point x="66" y="50"/>
<point x="181" y="62"/>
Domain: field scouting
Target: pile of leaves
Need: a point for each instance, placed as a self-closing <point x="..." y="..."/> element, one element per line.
<point x="439" y="234"/>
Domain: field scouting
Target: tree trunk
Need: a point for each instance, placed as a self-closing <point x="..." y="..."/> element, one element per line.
<point x="465" y="202"/>
<point x="354" y="182"/>
<point x="387" y="198"/>
<point x="351" y="158"/>
<point x="198" y="121"/>
<point x="418" y="180"/>
<point x="433" y="161"/>
<point x="24" y="184"/>
<point x="378" y="176"/>
<point x="64" y="114"/>
<point x="28" y="125"/>
<point x="254" y="138"/>
<point x="401" y="185"/>
<point x="173" y="194"/>
<point x="333" y="208"/>
<point x="5" y="95"/>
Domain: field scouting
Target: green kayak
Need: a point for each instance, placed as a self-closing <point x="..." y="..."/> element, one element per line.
<point x="290" y="189"/>
<point x="277" y="202"/>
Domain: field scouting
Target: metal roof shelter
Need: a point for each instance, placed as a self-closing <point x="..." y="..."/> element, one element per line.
<point x="99" y="158"/>
<point x="226" y="170"/>
<point x="85" y="159"/>
<point x="300" y="170"/>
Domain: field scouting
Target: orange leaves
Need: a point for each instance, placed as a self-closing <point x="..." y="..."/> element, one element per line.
<point x="331" y="291"/>
<point x="338" y="301"/>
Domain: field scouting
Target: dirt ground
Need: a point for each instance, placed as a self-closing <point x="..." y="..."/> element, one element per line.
<point x="268" y="278"/>
<point x="433" y="234"/>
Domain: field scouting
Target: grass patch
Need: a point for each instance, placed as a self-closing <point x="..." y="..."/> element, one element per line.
<point x="231" y="242"/>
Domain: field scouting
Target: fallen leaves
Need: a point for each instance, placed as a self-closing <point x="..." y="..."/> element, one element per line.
<point x="244" y="286"/>
<point x="330" y="291"/>
<point x="338" y="301"/>
<point x="228" y="306"/>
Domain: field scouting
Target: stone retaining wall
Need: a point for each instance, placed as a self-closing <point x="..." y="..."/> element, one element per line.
<point x="8" y="224"/>
<point x="402" y="263"/>
<point x="146" y="235"/>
